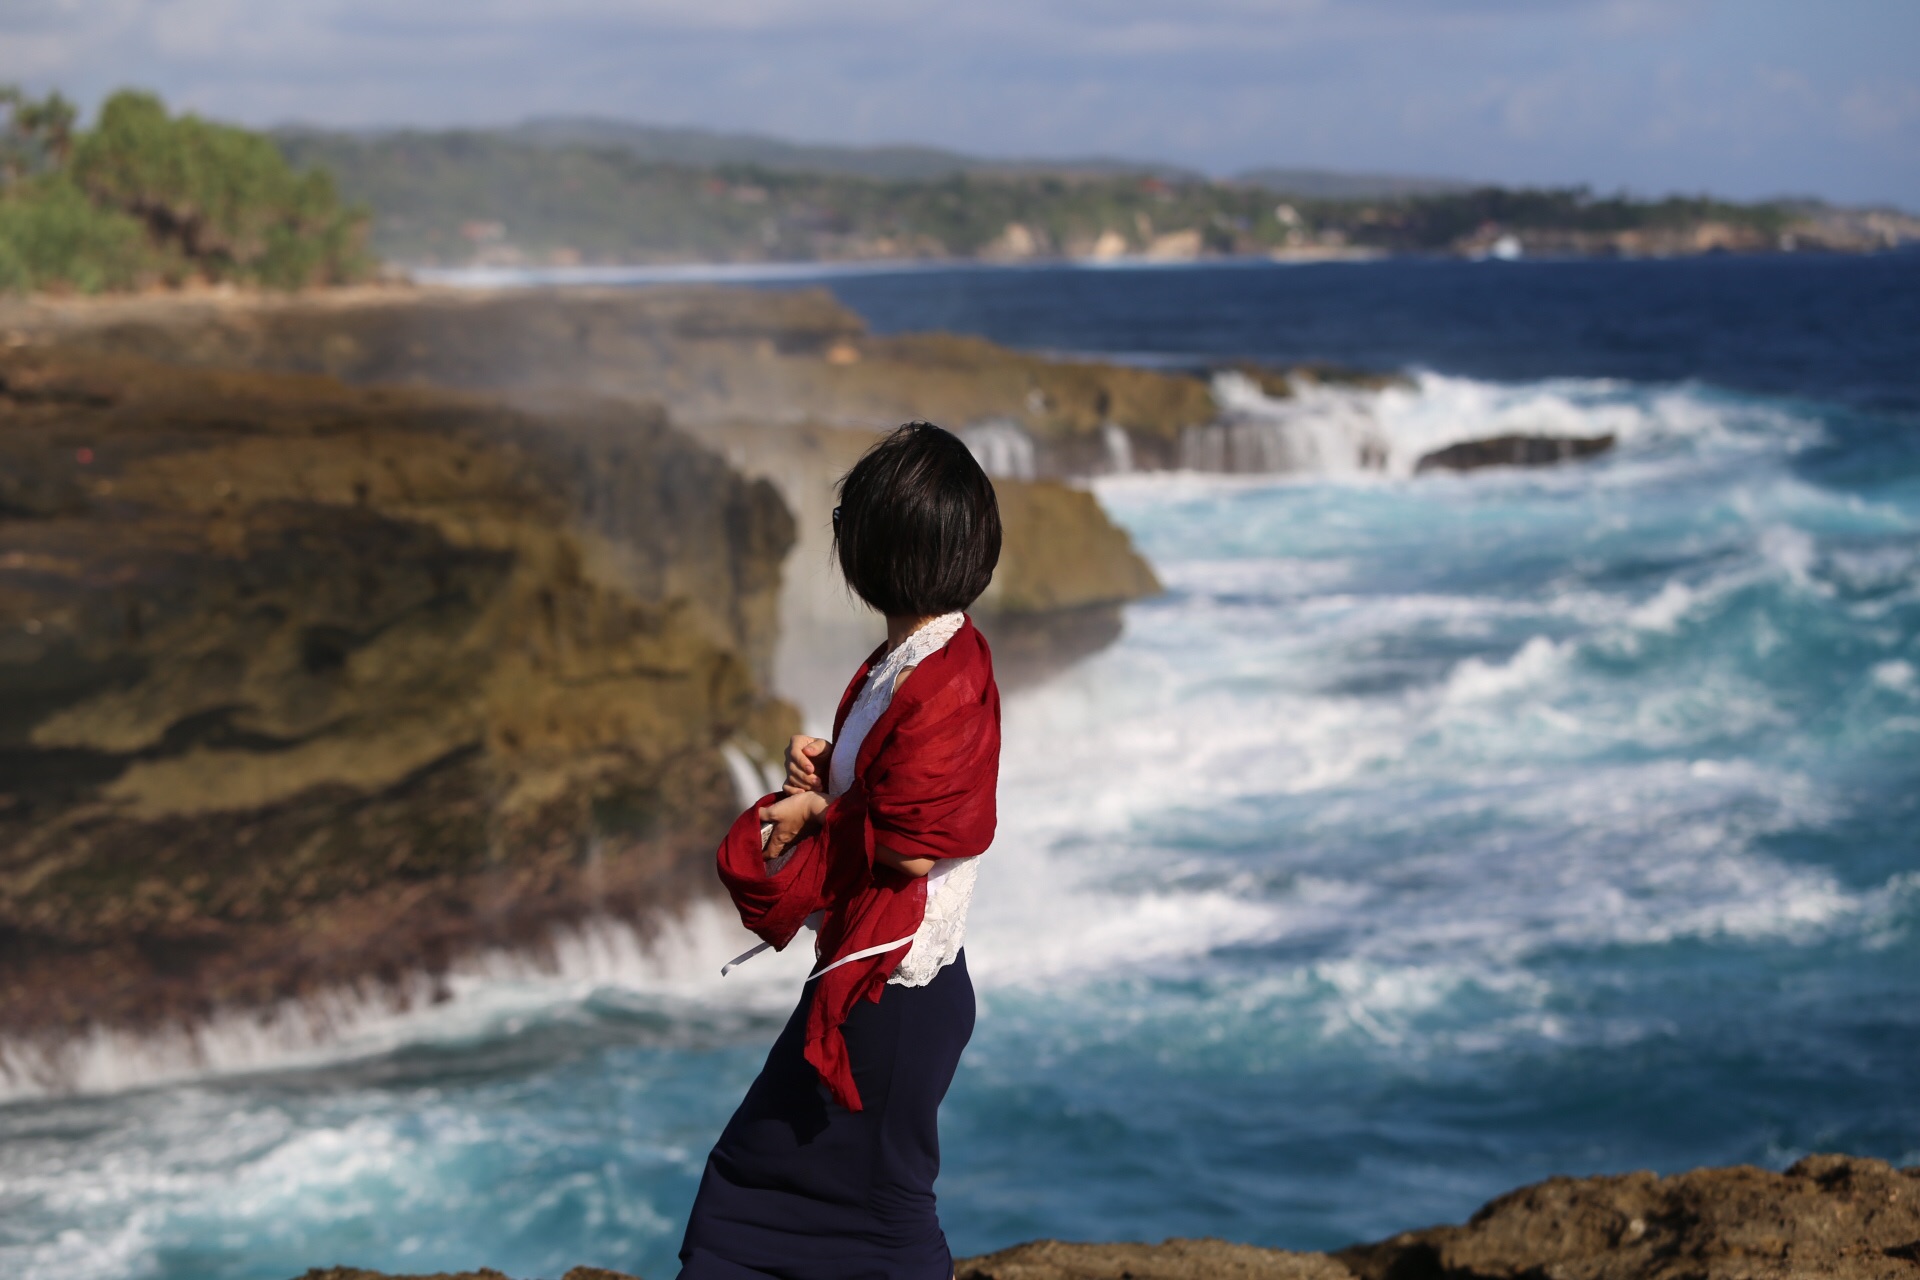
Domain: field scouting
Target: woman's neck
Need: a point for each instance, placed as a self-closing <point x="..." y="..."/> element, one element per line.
<point x="900" y="626"/>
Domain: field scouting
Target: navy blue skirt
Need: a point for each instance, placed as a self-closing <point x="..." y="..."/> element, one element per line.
<point x="800" y="1188"/>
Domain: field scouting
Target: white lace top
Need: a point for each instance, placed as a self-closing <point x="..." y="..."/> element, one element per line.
<point x="950" y="883"/>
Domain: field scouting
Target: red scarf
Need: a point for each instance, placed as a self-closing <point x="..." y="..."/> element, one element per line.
<point x="923" y="788"/>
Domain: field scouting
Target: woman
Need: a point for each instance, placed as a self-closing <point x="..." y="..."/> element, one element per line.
<point x="826" y="1170"/>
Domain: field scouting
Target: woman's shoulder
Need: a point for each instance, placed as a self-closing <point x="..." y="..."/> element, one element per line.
<point x="959" y="673"/>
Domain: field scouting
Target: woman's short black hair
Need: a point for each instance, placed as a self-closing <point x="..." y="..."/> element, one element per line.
<point x="918" y="528"/>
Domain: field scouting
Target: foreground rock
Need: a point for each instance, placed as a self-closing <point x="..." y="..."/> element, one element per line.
<point x="1828" y="1216"/>
<point x="304" y="686"/>
<point x="1171" y="1260"/>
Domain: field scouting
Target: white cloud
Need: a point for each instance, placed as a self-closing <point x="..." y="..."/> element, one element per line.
<point x="1876" y="110"/>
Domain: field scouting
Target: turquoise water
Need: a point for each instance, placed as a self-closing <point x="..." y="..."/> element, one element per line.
<point x="1427" y="837"/>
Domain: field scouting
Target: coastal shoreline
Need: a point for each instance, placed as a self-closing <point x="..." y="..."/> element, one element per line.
<point x="677" y="271"/>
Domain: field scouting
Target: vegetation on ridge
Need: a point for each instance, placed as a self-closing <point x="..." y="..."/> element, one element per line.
<point x="144" y="198"/>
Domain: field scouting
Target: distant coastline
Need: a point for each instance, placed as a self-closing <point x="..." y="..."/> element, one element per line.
<point x="615" y="275"/>
<point x="610" y="195"/>
<point x="756" y="272"/>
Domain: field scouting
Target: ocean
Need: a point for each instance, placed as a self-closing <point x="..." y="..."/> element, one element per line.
<point x="1430" y="835"/>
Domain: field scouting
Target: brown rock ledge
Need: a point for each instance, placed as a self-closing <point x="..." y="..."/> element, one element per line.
<point x="1829" y="1216"/>
<point x="708" y="354"/>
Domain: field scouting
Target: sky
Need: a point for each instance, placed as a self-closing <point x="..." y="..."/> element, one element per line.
<point x="1741" y="98"/>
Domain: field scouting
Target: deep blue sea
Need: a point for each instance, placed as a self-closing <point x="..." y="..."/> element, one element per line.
<point x="1430" y="835"/>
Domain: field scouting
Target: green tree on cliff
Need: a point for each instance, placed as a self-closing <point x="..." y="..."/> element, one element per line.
<point x="38" y="135"/>
<point x="145" y="198"/>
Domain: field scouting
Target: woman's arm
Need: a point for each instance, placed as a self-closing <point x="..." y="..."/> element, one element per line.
<point x="912" y="866"/>
<point x="793" y="815"/>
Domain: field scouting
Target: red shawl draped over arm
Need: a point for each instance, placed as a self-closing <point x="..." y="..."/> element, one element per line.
<point x="923" y="788"/>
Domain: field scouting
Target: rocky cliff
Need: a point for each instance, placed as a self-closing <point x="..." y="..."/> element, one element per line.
<point x="305" y="685"/>
<point x="347" y="635"/>
<point x="1827" y="1216"/>
<point x="786" y="384"/>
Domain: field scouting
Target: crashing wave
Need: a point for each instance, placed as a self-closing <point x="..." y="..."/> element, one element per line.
<point x="1342" y="430"/>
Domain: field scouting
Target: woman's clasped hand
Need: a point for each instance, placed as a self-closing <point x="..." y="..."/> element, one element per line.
<point x="790" y="818"/>
<point x="806" y="760"/>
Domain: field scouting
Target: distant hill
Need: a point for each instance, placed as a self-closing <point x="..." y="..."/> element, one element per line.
<point x="709" y="149"/>
<point x="1336" y="184"/>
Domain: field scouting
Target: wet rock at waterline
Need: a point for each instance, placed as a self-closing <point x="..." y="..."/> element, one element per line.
<point x="1514" y="451"/>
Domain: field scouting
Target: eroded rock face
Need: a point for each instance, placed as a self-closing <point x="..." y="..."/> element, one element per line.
<point x="303" y="685"/>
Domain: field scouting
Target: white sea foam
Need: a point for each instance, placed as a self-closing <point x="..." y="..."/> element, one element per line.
<point x="675" y="963"/>
<point x="1896" y="673"/>
<point x="1477" y="681"/>
<point x="1350" y="431"/>
<point x="1218" y="705"/>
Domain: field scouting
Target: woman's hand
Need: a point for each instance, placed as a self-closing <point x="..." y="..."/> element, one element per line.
<point x="806" y="759"/>
<point x="790" y="818"/>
